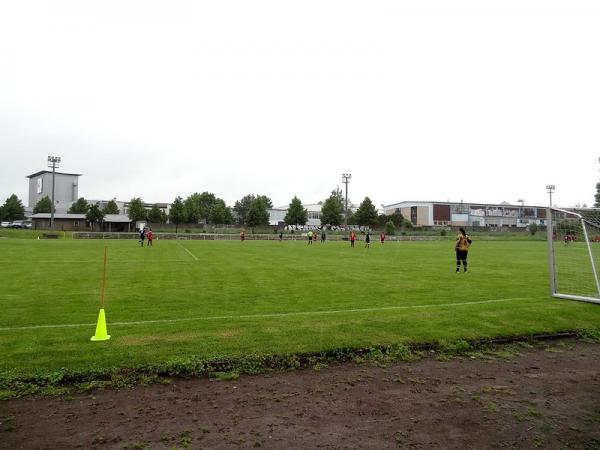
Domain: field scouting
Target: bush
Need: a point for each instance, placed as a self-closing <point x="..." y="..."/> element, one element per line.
<point x="533" y="228"/>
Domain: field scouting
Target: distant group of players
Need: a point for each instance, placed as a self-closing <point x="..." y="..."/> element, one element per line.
<point x="461" y="247"/>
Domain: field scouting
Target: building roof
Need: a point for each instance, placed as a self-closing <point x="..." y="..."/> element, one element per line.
<point x="117" y="218"/>
<point x="41" y="172"/>
<point x="503" y="204"/>
<point x="59" y="216"/>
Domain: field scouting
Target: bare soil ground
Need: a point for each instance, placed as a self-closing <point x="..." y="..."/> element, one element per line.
<point x="544" y="397"/>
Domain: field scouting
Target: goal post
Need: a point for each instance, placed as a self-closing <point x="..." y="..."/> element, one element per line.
<point x="574" y="253"/>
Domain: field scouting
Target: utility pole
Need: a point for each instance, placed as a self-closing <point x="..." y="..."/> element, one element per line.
<point x="53" y="161"/>
<point x="346" y="179"/>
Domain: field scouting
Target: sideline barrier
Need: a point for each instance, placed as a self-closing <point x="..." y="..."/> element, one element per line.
<point x="248" y="237"/>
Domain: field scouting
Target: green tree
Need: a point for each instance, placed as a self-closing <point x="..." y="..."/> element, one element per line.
<point x="597" y="196"/>
<point x="257" y="214"/>
<point x="220" y="213"/>
<point x="296" y="214"/>
<point x="198" y="207"/>
<point x="398" y="219"/>
<point x="366" y="215"/>
<point x="13" y="209"/>
<point x="206" y="200"/>
<point x="382" y="220"/>
<point x="390" y="228"/>
<point x="242" y="206"/>
<point x="337" y="193"/>
<point x="81" y="206"/>
<point x="332" y="211"/>
<point x="111" y="208"/>
<point x="177" y="214"/>
<point x="44" y="205"/>
<point x="155" y="215"/>
<point x="266" y="201"/>
<point x="137" y="210"/>
<point x="192" y="209"/>
<point x="94" y="215"/>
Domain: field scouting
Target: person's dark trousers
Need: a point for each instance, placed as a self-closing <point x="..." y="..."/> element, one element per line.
<point x="461" y="255"/>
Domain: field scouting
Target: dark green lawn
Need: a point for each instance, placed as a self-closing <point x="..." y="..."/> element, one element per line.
<point x="211" y="299"/>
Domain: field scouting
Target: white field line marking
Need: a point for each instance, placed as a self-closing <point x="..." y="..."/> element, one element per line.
<point x="266" y="316"/>
<point x="190" y="253"/>
<point x="114" y="261"/>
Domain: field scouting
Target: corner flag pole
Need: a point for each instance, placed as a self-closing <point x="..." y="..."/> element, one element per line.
<point x="103" y="288"/>
<point x="101" y="332"/>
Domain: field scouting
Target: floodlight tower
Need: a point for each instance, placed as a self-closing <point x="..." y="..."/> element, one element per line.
<point x="53" y="162"/>
<point x="346" y="179"/>
<point x="550" y="188"/>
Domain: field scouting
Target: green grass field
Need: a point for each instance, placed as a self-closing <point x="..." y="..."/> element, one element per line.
<point x="216" y="299"/>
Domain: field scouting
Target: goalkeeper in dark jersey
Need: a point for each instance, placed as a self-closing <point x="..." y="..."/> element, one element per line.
<point x="463" y="242"/>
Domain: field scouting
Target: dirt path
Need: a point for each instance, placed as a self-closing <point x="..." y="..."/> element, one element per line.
<point x="543" y="398"/>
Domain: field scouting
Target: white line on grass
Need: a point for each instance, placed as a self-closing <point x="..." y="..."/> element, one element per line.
<point x="266" y="316"/>
<point x="190" y="253"/>
<point x="116" y="261"/>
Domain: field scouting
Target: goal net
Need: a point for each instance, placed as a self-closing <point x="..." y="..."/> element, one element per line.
<point x="574" y="253"/>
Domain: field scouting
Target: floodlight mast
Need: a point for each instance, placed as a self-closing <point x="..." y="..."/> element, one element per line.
<point x="346" y="179"/>
<point x="550" y="188"/>
<point x="53" y="162"/>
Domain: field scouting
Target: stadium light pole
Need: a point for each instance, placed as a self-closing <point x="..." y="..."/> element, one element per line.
<point x="346" y="179"/>
<point x="550" y="188"/>
<point x="53" y="162"/>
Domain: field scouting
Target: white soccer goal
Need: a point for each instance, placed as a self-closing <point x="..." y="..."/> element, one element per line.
<point x="574" y="253"/>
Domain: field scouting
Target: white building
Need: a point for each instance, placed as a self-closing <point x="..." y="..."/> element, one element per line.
<point x="277" y="215"/>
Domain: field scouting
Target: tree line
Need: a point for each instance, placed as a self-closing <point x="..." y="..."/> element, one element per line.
<point x="206" y="208"/>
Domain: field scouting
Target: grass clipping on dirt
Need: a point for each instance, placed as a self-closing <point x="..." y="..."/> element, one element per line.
<point x="65" y="382"/>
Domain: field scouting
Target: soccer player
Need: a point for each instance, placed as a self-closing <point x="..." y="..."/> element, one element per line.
<point x="242" y="235"/>
<point x="463" y="242"/>
<point x="142" y="236"/>
<point x="368" y="240"/>
<point x="382" y="237"/>
<point x="352" y="239"/>
<point x="150" y="236"/>
<point x="310" y="237"/>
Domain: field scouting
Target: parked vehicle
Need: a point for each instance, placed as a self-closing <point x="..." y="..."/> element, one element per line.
<point x="5" y="224"/>
<point x="18" y="224"/>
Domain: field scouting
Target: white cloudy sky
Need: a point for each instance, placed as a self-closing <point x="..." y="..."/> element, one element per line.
<point x="481" y="101"/>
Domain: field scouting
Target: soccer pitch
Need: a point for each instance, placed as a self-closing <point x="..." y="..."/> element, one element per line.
<point x="217" y="299"/>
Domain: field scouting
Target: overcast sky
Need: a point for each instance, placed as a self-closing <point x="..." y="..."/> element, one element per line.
<point x="481" y="102"/>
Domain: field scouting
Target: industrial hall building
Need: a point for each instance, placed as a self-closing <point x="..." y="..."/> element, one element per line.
<point x="437" y="214"/>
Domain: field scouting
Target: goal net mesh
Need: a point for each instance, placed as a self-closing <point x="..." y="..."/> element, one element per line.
<point x="575" y="253"/>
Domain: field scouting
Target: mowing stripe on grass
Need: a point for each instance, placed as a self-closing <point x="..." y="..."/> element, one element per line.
<point x="190" y="253"/>
<point x="270" y="315"/>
